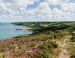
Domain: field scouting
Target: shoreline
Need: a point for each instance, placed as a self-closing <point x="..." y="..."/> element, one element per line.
<point x="48" y="43"/>
<point x="38" y="39"/>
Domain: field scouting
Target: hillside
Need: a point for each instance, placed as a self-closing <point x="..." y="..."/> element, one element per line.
<point x="49" y="40"/>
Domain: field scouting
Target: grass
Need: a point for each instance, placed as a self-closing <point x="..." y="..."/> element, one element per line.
<point x="41" y="44"/>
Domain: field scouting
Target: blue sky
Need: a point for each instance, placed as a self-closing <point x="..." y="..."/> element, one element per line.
<point x="37" y="10"/>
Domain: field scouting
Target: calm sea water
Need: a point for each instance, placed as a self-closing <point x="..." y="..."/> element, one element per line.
<point x="7" y="31"/>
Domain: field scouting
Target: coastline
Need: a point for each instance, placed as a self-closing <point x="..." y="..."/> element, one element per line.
<point x="47" y="43"/>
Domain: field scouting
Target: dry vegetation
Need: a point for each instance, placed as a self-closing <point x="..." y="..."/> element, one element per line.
<point x="47" y="44"/>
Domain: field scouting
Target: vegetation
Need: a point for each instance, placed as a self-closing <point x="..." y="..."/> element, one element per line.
<point x="49" y="40"/>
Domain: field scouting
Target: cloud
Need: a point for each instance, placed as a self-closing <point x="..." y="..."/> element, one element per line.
<point x="36" y="10"/>
<point x="24" y="2"/>
<point x="44" y="10"/>
<point x="69" y="7"/>
<point x="54" y="2"/>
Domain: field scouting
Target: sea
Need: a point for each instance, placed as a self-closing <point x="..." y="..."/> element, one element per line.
<point x="8" y="31"/>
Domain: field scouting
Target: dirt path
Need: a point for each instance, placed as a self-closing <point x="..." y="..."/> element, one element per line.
<point x="63" y="45"/>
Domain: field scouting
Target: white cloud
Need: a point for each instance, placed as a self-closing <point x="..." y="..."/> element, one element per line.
<point x="54" y="2"/>
<point x="18" y="10"/>
<point x="24" y="2"/>
<point x="44" y="10"/>
<point x="68" y="7"/>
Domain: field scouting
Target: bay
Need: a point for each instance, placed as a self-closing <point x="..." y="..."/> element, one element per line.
<point x="8" y="30"/>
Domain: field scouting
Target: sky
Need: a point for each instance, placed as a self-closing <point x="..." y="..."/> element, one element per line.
<point x="37" y="10"/>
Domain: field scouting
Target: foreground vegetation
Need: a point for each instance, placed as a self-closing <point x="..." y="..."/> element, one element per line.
<point x="49" y="40"/>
